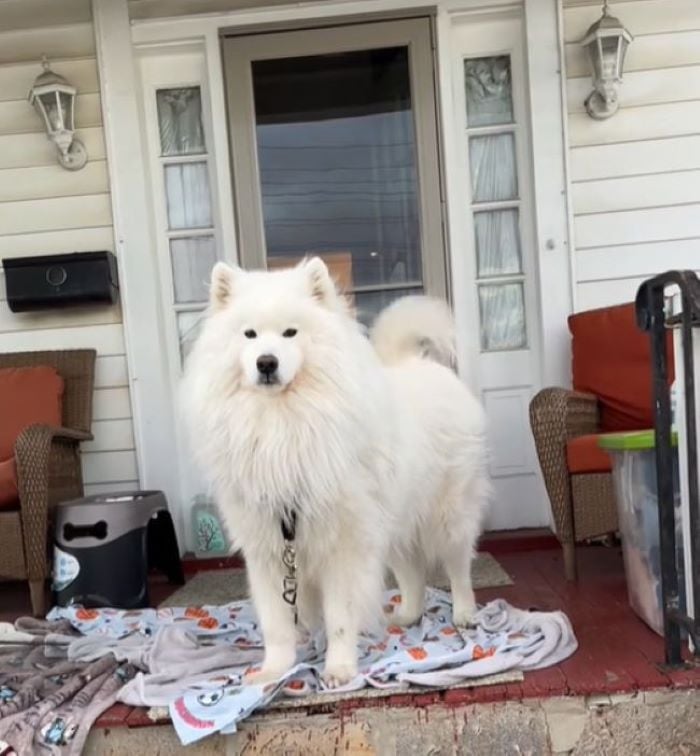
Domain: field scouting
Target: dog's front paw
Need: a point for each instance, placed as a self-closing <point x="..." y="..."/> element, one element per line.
<point x="464" y="616"/>
<point x="263" y="675"/>
<point x="337" y="674"/>
<point x="404" y="619"/>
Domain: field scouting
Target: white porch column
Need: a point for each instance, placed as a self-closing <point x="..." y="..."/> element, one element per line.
<point x="554" y="247"/>
<point x="154" y="426"/>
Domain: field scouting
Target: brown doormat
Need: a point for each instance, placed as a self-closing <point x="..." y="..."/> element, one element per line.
<point x="216" y="587"/>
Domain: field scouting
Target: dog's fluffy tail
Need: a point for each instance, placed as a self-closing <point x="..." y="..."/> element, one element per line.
<point x="415" y="326"/>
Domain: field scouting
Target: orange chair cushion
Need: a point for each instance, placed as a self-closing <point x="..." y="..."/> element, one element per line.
<point x="583" y="455"/>
<point x="27" y="396"/>
<point x="9" y="496"/>
<point x="612" y="359"/>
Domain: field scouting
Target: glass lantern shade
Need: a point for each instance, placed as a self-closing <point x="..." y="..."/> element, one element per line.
<point x="604" y="53"/>
<point x="606" y="43"/>
<point x="54" y="100"/>
<point x="57" y="108"/>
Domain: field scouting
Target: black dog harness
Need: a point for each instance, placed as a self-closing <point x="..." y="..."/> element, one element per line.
<point x="288" y="525"/>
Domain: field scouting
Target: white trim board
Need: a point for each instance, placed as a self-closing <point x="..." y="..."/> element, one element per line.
<point x="166" y="30"/>
<point x="550" y="168"/>
<point x="148" y="374"/>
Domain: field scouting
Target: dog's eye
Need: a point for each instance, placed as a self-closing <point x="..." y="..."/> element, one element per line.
<point x="250" y="334"/>
<point x="290" y="333"/>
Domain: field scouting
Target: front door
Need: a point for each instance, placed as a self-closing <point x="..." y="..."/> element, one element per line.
<point x="334" y="152"/>
<point x="497" y="242"/>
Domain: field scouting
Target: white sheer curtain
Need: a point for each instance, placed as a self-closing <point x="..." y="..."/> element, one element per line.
<point x="192" y="259"/>
<point x="502" y="316"/>
<point x="187" y="191"/>
<point x="497" y="243"/>
<point x="188" y="325"/>
<point x="492" y="161"/>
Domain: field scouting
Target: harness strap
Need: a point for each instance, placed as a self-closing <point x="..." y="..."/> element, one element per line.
<point x="288" y="525"/>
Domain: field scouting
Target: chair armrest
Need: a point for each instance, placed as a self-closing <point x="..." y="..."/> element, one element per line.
<point x="556" y="416"/>
<point x="38" y="449"/>
<point x="35" y="436"/>
<point x="70" y="434"/>
<point x="564" y="414"/>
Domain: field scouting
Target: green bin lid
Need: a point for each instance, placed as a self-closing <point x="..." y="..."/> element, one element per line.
<point x="632" y="440"/>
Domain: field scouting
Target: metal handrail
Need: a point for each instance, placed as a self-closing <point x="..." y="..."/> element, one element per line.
<point x="651" y="317"/>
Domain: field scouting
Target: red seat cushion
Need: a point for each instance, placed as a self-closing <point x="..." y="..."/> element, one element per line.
<point x="27" y="396"/>
<point x="583" y="455"/>
<point x="612" y="359"/>
<point x="9" y="496"/>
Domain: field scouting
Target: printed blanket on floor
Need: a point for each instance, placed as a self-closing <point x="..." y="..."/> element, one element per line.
<point x="196" y="657"/>
<point x="47" y="702"/>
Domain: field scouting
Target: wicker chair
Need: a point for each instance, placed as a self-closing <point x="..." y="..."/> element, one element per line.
<point x="611" y="372"/>
<point x="48" y="469"/>
<point x="583" y="505"/>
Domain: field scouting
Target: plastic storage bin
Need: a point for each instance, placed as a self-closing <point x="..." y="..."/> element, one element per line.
<point x="634" y="474"/>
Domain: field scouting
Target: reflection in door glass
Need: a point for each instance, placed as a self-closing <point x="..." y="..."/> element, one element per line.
<point x="489" y="90"/>
<point x="180" y="121"/>
<point x="338" y="169"/>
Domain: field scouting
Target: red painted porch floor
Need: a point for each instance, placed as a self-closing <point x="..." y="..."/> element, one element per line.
<point x="617" y="652"/>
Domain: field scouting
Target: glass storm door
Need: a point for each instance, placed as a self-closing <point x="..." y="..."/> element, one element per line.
<point x="334" y="153"/>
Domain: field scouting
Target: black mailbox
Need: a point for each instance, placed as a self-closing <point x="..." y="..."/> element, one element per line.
<point x="49" y="281"/>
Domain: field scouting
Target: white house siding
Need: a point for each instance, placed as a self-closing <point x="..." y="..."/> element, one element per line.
<point x="46" y="209"/>
<point x="635" y="178"/>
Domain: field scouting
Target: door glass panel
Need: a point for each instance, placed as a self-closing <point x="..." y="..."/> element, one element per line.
<point x="502" y="308"/>
<point x="337" y="157"/>
<point x="494" y="180"/>
<point x="188" y="325"/>
<point x="497" y="243"/>
<point x="368" y="304"/>
<point x="180" y="121"/>
<point x="493" y="169"/>
<point x="187" y="194"/>
<point x="192" y="260"/>
<point x="488" y="87"/>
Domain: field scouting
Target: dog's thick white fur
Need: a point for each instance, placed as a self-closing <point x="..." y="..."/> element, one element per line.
<point x="378" y="447"/>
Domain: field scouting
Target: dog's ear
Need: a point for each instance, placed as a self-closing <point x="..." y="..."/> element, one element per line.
<point x="223" y="278"/>
<point x="321" y="284"/>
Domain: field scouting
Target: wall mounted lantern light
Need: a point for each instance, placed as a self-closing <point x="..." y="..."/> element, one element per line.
<point x="606" y="43"/>
<point x="54" y="100"/>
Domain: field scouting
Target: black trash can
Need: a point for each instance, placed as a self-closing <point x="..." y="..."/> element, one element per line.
<point x="105" y="546"/>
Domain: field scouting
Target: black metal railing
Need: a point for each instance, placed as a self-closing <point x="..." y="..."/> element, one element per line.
<point x="652" y="317"/>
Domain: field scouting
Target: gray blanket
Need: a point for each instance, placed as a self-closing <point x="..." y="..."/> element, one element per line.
<point x="47" y="702"/>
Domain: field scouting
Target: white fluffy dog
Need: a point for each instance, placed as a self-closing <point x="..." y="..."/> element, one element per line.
<point x="378" y="448"/>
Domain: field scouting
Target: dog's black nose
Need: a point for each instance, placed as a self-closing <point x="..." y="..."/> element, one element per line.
<point x="267" y="364"/>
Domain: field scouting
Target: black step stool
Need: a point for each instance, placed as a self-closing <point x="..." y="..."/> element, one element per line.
<point x="105" y="546"/>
